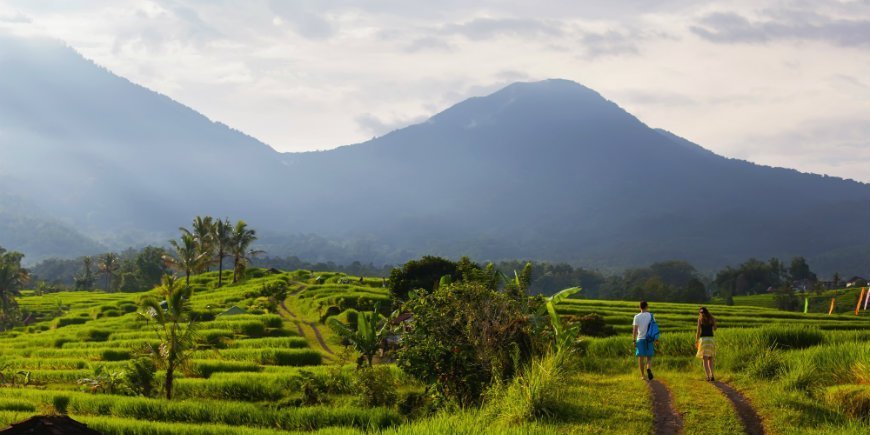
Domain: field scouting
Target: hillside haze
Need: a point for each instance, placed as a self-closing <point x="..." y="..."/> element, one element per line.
<point x="547" y="170"/>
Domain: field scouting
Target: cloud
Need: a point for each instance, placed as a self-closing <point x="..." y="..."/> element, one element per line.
<point x="380" y="127"/>
<point x="427" y="43"/>
<point x="304" y="18"/>
<point x="730" y="27"/>
<point x="609" y="43"/>
<point x="486" y="28"/>
<point x="15" y="18"/>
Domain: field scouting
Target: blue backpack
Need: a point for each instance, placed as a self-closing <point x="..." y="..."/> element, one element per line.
<point x="653" y="333"/>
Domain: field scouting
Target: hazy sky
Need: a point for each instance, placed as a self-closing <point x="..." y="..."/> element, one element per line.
<point x="785" y="83"/>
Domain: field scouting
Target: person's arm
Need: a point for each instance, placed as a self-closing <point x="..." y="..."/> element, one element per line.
<point x="634" y="333"/>
<point x="698" y="331"/>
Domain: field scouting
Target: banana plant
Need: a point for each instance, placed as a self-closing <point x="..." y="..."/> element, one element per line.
<point x="564" y="335"/>
<point x="368" y="336"/>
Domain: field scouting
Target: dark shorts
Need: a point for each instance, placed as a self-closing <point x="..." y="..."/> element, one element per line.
<point x="644" y="347"/>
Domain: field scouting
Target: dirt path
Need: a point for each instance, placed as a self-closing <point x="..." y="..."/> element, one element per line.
<point x="667" y="421"/>
<point x="751" y="420"/>
<point x="320" y="338"/>
<point x="284" y="307"/>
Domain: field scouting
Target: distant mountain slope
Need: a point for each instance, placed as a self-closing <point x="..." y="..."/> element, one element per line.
<point x="111" y="155"/>
<point x="551" y="170"/>
<point x="25" y="229"/>
<point x="547" y="170"/>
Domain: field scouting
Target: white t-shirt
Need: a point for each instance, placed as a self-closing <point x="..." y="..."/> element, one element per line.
<point x="642" y="321"/>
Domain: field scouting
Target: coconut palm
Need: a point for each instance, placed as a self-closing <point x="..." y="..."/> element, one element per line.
<point x="203" y="229"/>
<point x="241" y="239"/>
<point x="222" y="238"/>
<point x="174" y="326"/>
<point x="187" y="256"/>
<point x="109" y="265"/>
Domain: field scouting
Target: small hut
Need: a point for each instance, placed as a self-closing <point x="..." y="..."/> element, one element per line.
<point x="233" y="311"/>
<point x="49" y="425"/>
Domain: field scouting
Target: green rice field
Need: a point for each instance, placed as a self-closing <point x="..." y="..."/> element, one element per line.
<point x="253" y="373"/>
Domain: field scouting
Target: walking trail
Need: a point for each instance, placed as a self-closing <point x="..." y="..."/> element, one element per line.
<point x="666" y="419"/>
<point x="751" y="420"/>
<point x="292" y="316"/>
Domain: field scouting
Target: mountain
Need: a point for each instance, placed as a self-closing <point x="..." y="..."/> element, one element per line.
<point x="113" y="157"/>
<point x="551" y="170"/>
<point x="547" y="170"/>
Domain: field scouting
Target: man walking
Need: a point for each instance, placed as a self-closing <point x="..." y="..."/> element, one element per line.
<point x="643" y="348"/>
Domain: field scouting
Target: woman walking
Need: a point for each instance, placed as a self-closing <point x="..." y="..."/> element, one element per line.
<point x="706" y="344"/>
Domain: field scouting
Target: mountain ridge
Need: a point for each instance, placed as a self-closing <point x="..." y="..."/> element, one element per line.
<point x="548" y="170"/>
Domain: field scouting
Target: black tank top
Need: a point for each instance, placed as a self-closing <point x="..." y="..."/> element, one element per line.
<point x="706" y="330"/>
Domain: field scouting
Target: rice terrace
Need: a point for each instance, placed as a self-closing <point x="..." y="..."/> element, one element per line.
<point x="408" y="217"/>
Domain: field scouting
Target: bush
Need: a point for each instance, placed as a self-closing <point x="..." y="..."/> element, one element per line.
<point x="94" y="335"/>
<point x="539" y="392"/>
<point x="592" y="325"/>
<point x="276" y="357"/>
<point x="114" y="355"/>
<point x="794" y="337"/>
<point x="767" y="364"/>
<point x="141" y="377"/>
<point x="59" y="342"/>
<point x="463" y="337"/>
<point x="854" y="400"/>
<point x="60" y="404"/>
<point x="60" y="322"/>
<point x="376" y="386"/>
<point x="206" y="368"/>
<point x="215" y="338"/>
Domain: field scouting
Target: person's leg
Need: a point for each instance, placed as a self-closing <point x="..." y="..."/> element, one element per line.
<point x="705" y="361"/>
<point x="640" y="366"/>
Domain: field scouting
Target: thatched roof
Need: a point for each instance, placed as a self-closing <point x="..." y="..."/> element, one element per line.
<point x="49" y="425"/>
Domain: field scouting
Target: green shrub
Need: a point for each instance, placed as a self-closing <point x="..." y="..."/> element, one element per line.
<point x="59" y="342"/>
<point x="793" y="337"/>
<point x="115" y="355"/>
<point x="60" y="322"/>
<point x="60" y="403"/>
<point x="375" y="386"/>
<point x="215" y="338"/>
<point x="206" y="368"/>
<point x="141" y="377"/>
<point x="252" y="329"/>
<point x="539" y="392"/>
<point x="853" y="400"/>
<point x="464" y="337"/>
<point x="767" y="364"/>
<point x="94" y="335"/>
<point x="275" y="357"/>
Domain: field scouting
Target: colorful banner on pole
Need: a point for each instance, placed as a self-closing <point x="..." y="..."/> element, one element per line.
<point x="831" y="310"/>
<point x="860" y="299"/>
<point x="866" y="299"/>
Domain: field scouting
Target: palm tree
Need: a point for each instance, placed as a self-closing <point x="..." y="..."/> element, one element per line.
<point x="173" y="325"/>
<point x="109" y="266"/>
<point x="187" y="257"/>
<point x="241" y="240"/>
<point x="85" y="281"/>
<point x="222" y="237"/>
<point x="12" y="278"/>
<point x="367" y="338"/>
<point x="203" y="230"/>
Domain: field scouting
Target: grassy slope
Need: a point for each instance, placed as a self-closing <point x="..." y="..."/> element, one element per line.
<point x="233" y="385"/>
